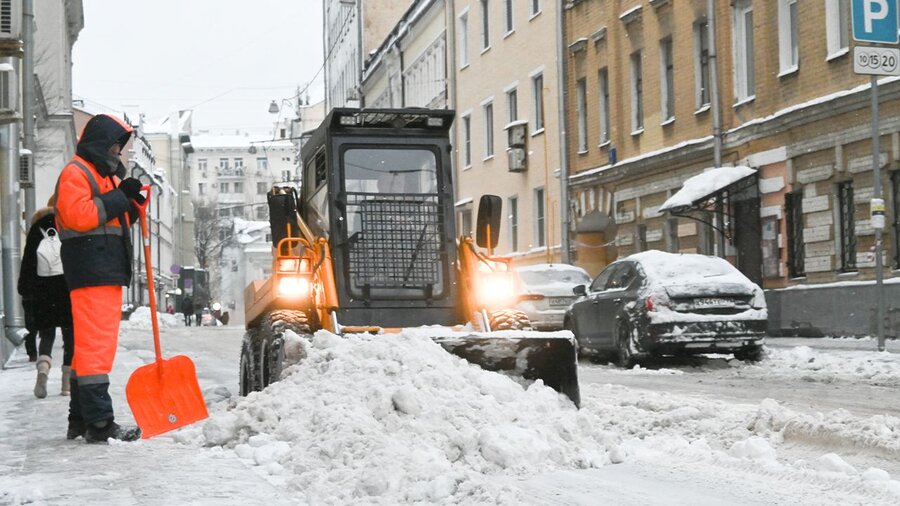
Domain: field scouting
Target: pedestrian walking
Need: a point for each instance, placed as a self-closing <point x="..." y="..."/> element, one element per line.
<point x="45" y="296"/>
<point x="94" y="210"/>
<point x="187" y="307"/>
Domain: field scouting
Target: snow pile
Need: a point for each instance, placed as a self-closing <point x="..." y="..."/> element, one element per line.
<point x="395" y="418"/>
<point x="140" y="319"/>
<point x="882" y="369"/>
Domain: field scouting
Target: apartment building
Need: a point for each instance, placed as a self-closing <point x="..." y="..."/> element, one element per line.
<point x="792" y="109"/>
<point x="507" y="121"/>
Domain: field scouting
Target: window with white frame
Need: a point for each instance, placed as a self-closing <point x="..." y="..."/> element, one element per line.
<point x="485" y="26"/>
<point x="467" y="140"/>
<point x="788" y="36"/>
<point x="512" y="104"/>
<point x="537" y="88"/>
<point x="535" y="7"/>
<point x="837" y="28"/>
<point x="637" y="93"/>
<point x="223" y="163"/>
<point x="238" y="187"/>
<point x="488" y="109"/>
<point x="224" y="188"/>
<point x="464" y="40"/>
<point x="262" y="163"/>
<point x="202" y="188"/>
<point x="238" y="163"/>
<point x="667" y="80"/>
<point x="603" y="95"/>
<point x="742" y="33"/>
<point x="539" y="217"/>
<point x="510" y="19"/>
<point x="514" y="223"/>
<point x="201" y="164"/>
<point x="701" y="64"/>
<point x="581" y="112"/>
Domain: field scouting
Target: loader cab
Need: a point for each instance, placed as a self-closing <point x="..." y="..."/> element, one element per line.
<point x="377" y="184"/>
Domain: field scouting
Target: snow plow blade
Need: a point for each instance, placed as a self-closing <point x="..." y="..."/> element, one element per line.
<point x="549" y="357"/>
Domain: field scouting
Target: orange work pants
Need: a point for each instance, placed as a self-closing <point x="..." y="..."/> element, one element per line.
<point x="96" y="313"/>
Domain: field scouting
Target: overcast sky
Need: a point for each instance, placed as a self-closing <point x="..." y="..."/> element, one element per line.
<point x="225" y="59"/>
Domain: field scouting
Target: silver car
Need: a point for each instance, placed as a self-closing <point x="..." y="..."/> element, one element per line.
<point x="547" y="292"/>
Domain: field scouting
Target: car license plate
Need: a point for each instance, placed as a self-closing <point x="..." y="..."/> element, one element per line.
<point x="714" y="302"/>
<point x="560" y="301"/>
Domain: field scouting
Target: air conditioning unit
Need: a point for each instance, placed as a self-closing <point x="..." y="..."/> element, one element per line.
<point x="8" y="89"/>
<point x="26" y="168"/>
<point x="10" y="16"/>
<point x="516" y="158"/>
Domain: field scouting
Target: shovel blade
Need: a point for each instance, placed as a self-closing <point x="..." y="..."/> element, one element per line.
<point x="165" y="396"/>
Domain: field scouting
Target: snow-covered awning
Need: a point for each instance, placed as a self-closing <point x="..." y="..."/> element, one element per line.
<point x="705" y="186"/>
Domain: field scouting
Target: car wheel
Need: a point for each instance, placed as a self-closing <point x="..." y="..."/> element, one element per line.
<point x="750" y="354"/>
<point x="625" y="345"/>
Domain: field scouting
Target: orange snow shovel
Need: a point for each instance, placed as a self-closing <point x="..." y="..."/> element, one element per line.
<point x="163" y="395"/>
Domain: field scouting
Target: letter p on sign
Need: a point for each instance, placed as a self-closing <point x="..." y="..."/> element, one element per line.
<point x="875" y="21"/>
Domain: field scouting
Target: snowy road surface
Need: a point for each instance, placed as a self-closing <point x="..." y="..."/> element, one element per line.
<point x="390" y="420"/>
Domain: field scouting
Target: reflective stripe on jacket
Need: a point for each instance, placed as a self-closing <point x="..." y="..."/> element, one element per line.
<point x="91" y="216"/>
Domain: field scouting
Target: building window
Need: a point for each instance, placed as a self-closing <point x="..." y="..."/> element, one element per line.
<point x="788" y="36"/>
<point x="464" y="40"/>
<point x="637" y="93"/>
<point x="701" y="64"/>
<point x="223" y="163"/>
<point x="837" y="27"/>
<point x="467" y="140"/>
<point x="672" y="243"/>
<point x="238" y="187"/>
<point x="201" y="188"/>
<point x="667" y="79"/>
<point x="539" y="217"/>
<point x="262" y="163"/>
<point x="465" y="222"/>
<point x="744" y="78"/>
<point x="225" y="188"/>
<point x="535" y="7"/>
<point x="488" y="130"/>
<point x="285" y="176"/>
<point x="848" y="226"/>
<point x="238" y="163"/>
<point x="895" y="215"/>
<point x="793" y="203"/>
<point x="514" y="223"/>
<point x="642" y="237"/>
<point x="201" y="164"/>
<point x="581" y="112"/>
<point x="510" y="24"/>
<point x="512" y="104"/>
<point x="262" y="188"/>
<point x="261" y="213"/>
<point x="537" y="87"/>
<point x="485" y="26"/>
<point x="604" y="105"/>
<point x="223" y="211"/>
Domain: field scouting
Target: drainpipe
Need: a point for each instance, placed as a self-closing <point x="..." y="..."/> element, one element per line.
<point x="561" y="69"/>
<point x="9" y="227"/>
<point x="451" y="93"/>
<point x="716" y="118"/>
<point x="28" y="96"/>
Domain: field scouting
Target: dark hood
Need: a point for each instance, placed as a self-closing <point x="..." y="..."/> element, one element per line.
<point x="100" y="133"/>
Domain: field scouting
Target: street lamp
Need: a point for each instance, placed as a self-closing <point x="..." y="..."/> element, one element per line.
<point x="273" y="107"/>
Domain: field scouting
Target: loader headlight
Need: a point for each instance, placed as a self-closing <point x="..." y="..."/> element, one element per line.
<point x="496" y="289"/>
<point x="292" y="265"/>
<point x="293" y="287"/>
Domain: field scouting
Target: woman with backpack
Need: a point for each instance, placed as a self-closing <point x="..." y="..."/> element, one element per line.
<point x="46" y="296"/>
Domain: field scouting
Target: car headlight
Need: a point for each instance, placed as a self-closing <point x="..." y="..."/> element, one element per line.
<point x="496" y="289"/>
<point x="293" y="287"/>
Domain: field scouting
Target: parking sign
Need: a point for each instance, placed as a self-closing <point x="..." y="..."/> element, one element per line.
<point x="875" y="21"/>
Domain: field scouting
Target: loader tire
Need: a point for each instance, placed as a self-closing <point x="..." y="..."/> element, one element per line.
<point x="249" y="379"/>
<point x="271" y="343"/>
<point x="510" y="319"/>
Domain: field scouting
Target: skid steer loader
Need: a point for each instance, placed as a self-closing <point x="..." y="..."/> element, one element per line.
<point x="368" y="244"/>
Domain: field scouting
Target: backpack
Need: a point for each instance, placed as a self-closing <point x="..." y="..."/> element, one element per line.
<point x="49" y="262"/>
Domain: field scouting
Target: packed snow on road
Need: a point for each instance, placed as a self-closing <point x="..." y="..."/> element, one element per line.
<point x="394" y="419"/>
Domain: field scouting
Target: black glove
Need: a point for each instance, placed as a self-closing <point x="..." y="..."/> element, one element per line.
<point x="131" y="187"/>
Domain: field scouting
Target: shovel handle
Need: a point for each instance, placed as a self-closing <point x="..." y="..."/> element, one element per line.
<point x="145" y="234"/>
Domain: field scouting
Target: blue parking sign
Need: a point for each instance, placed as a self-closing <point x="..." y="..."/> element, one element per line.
<point x="875" y="21"/>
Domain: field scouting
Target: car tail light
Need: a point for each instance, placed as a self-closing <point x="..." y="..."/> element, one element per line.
<point x="655" y="303"/>
<point x="531" y="296"/>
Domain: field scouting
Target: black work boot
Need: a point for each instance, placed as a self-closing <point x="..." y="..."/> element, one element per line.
<point x="100" y="432"/>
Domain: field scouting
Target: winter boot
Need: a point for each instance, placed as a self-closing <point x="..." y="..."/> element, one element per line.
<point x="100" y="432"/>
<point x="66" y="386"/>
<point x="43" y="370"/>
<point x="76" y="429"/>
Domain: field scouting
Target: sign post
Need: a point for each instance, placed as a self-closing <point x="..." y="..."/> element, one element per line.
<point x="875" y="21"/>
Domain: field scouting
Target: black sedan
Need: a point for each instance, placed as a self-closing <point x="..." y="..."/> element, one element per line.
<point x="656" y="303"/>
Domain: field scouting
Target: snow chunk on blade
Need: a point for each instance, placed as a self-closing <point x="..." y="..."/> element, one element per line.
<point x="394" y="418"/>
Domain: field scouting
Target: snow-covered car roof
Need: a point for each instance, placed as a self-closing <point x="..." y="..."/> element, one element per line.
<point x="689" y="269"/>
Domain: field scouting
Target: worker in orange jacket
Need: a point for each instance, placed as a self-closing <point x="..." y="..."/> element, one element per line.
<point x="94" y="210"/>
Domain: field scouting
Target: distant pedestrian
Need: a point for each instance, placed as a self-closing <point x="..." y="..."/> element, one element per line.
<point x="45" y="296"/>
<point x="95" y="208"/>
<point x="187" y="307"/>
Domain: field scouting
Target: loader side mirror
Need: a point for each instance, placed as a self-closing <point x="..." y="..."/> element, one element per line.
<point x="487" y="231"/>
